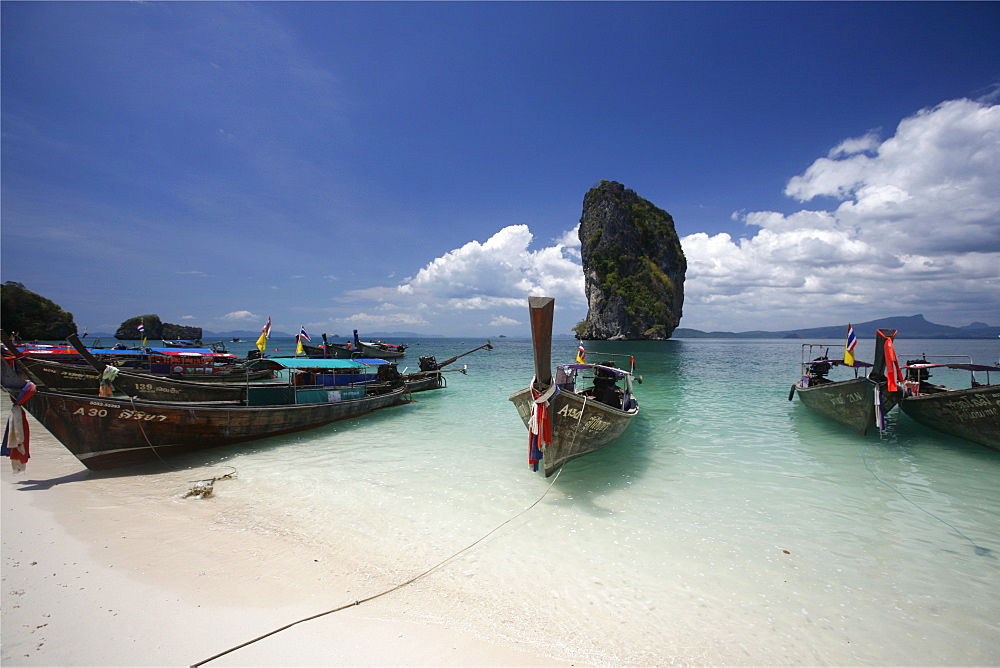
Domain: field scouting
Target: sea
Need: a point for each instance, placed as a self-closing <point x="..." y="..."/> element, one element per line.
<point x="728" y="525"/>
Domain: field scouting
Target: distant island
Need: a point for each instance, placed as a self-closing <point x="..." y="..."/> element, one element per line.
<point x="910" y="327"/>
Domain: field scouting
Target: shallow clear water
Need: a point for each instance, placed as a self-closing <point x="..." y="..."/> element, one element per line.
<point x="728" y="525"/>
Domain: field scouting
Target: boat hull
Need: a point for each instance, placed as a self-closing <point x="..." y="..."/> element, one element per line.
<point x="972" y="414"/>
<point x="424" y="380"/>
<point x="59" y="375"/>
<point x="848" y="402"/>
<point x="106" y="433"/>
<point x="580" y="425"/>
<point x="86" y="380"/>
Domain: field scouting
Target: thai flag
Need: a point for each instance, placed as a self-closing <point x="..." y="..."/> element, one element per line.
<point x="852" y="342"/>
<point x="141" y="328"/>
<point x="264" y="332"/>
<point x="303" y="335"/>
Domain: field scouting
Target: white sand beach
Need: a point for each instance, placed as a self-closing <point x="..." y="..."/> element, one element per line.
<point x="107" y="570"/>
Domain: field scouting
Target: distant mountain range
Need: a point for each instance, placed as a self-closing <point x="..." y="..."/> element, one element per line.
<point x="365" y="336"/>
<point x="910" y="327"/>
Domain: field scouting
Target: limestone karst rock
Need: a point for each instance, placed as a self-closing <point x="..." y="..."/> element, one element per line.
<point x="633" y="266"/>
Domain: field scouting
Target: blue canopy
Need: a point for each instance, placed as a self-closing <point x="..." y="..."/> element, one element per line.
<point x="324" y="363"/>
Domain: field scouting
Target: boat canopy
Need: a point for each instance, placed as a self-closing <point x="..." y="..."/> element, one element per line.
<point x="125" y="352"/>
<point x="612" y="369"/>
<point x="47" y="350"/>
<point x="190" y="352"/>
<point x="857" y="363"/>
<point x="323" y="363"/>
<point x="954" y="365"/>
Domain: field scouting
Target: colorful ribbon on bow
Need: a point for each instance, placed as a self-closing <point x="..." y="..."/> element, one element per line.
<point x="106" y="388"/>
<point x="17" y="431"/>
<point x="893" y="374"/>
<point x="540" y="423"/>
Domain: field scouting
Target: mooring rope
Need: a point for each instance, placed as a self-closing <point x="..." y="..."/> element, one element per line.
<point x="387" y="591"/>
<point x="149" y="442"/>
<point x="983" y="551"/>
<point x="210" y="481"/>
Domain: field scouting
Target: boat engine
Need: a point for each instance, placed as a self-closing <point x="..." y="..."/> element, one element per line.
<point x="606" y="386"/>
<point x="818" y="370"/>
<point x="388" y="373"/>
<point x="917" y="375"/>
<point x="428" y="363"/>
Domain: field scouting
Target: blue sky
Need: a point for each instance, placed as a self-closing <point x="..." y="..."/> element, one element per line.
<point x="421" y="166"/>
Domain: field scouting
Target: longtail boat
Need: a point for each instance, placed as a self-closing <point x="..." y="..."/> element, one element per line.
<point x="429" y="377"/>
<point x="858" y="403"/>
<point x="301" y="371"/>
<point x="564" y="422"/>
<point x="182" y="343"/>
<point x="972" y="413"/>
<point x="358" y="347"/>
<point x="108" y="432"/>
<point x="431" y="374"/>
<point x="85" y="377"/>
<point x="360" y="370"/>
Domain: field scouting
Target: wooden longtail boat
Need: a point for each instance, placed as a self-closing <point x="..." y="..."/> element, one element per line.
<point x="860" y="402"/>
<point x="420" y="381"/>
<point x="107" y="432"/>
<point x="972" y="413"/>
<point x="204" y="364"/>
<point x="82" y="378"/>
<point x="563" y="422"/>
<point x="358" y="348"/>
<point x="429" y="377"/>
<point x="431" y="374"/>
<point x="86" y="378"/>
<point x="182" y="343"/>
<point x="300" y="373"/>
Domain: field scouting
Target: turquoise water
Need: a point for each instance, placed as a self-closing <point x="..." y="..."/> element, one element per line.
<point x="727" y="526"/>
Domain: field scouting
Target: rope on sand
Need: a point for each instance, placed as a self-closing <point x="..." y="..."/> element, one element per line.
<point x="387" y="591"/>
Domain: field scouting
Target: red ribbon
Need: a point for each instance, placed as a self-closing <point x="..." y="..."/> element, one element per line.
<point x="539" y="427"/>
<point x="893" y="373"/>
<point x="20" y="453"/>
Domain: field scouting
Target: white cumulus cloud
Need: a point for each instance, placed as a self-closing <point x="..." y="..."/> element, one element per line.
<point x="502" y="271"/>
<point x="240" y="315"/>
<point x="481" y="284"/>
<point x="916" y="230"/>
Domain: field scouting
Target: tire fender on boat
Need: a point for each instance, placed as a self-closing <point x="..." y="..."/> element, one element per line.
<point x="791" y="392"/>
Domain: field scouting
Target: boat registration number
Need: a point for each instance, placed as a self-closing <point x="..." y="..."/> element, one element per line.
<point x="147" y="387"/>
<point x="126" y="414"/>
<point x="595" y="423"/>
<point x="851" y="398"/>
<point x="973" y="408"/>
